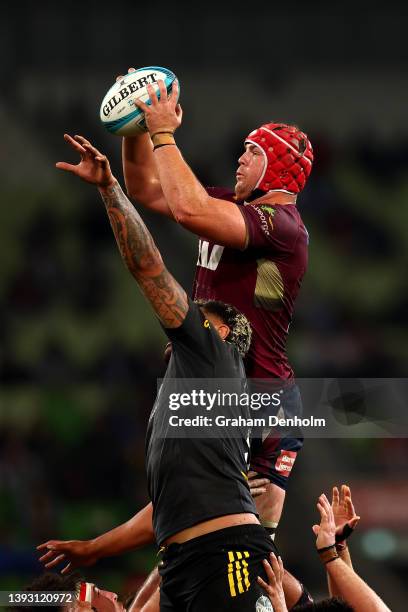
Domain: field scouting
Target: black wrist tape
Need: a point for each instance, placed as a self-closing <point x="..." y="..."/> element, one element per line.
<point x="346" y="532"/>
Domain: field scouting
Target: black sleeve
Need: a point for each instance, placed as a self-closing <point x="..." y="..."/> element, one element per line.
<point x="195" y="333"/>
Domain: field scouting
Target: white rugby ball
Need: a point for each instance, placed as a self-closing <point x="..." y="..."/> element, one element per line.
<point x="118" y="112"/>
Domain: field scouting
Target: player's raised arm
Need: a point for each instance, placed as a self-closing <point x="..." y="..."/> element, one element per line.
<point x="349" y="585"/>
<point x="140" y="174"/>
<point x="134" y="240"/>
<point x="191" y="206"/>
<point x="140" y="171"/>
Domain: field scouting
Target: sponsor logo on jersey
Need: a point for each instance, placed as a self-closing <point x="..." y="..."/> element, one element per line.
<point x="271" y="211"/>
<point x="285" y="461"/>
<point x="264" y="222"/>
<point x="206" y="259"/>
<point x="263" y="604"/>
<point x="268" y="209"/>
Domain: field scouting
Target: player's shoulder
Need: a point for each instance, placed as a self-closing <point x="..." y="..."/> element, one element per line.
<point x="276" y="226"/>
<point x="289" y="210"/>
<point x="277" y="214"/>
<point x="195" y="325"/>
<point x="221" y="193"/>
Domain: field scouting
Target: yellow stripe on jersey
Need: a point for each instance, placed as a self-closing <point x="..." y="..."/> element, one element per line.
<point x="246" y="574"/>
<point x="237" y="574"/>
<point x="239" y="577"/>
<point x="231" y="574"/>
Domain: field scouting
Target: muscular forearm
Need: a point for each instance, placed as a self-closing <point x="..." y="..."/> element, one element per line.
<point x="184" y="194"/>
<point x="135" y="533"/>
<point x="344" y="556"/>
<point x="292" y="589"/>
<point x="353" y="589"/>
<point x="147" y="594"/>
<point x="134" y="240"/>
<point x="141" y="256"/>
<point x="141" y="175"/>
<point x="139" y="167"/>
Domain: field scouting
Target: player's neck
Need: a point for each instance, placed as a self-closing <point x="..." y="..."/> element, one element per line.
<point x="275" y="196"/>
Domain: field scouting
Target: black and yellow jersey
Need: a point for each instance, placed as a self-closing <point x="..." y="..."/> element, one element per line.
<point x="197" y="472"/>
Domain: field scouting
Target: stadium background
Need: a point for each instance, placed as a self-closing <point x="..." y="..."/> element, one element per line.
<point x="80" y="351"/>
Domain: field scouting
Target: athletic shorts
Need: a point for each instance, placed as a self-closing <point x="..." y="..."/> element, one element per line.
<point x="216" y="571"/>
<point x="274" y="452"/>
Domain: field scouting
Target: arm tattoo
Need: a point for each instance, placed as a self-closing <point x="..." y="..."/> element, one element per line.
<point x="143" y="259"/>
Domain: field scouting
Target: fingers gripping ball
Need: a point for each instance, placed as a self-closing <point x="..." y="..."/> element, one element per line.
<point x="118" y="112"/>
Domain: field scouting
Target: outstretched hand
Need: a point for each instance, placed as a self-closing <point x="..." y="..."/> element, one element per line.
<point x="74" y="553"/>
<point x="274" y="588"/>
<point x="93" y="166"/>
<point x="343" y="511"/>
<point x="326" y="531"/>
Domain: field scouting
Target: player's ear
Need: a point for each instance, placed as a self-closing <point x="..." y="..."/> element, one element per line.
<point x="223" y="330"/>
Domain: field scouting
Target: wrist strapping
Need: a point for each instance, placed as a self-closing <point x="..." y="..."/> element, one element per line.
<point x="165" y="144"/>
<point x="162" y="138"/>
<point x="346" y="532"/>
<point x="327" y="554"/>
<point x="270" y="528"/>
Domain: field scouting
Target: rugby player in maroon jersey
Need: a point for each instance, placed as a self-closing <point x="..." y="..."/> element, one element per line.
<point x="252" y="251"/>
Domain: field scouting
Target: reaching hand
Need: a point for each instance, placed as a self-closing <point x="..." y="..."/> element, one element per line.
<point x="274" y="589"/>
<point x="326" y="531"/>
<point x="257" y="485"/>
<point x="343" y="511"/>
<point x="77" y="553"/>
<point x="94" y="166"/>
<point x="163" y="113"/>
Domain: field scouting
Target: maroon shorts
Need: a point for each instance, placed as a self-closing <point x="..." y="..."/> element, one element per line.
<point x="274" y="456"/>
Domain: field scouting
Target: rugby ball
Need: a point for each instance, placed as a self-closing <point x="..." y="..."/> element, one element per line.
<point x="118" y="112"/>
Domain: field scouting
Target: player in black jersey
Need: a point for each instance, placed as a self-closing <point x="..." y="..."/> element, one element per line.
<point x="204" y="517"/>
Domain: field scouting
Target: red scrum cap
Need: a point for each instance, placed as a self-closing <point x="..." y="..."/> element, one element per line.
<point x="288" y="156"/>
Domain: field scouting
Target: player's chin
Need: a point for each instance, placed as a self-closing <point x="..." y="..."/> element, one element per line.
<point x="240" y="190"/>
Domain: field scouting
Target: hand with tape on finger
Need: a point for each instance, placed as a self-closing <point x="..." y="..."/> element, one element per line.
<point x="345" y="516"/>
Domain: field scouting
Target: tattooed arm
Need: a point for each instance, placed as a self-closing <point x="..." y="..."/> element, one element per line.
<point x="143" y="259"/>
<point x="134" y="240"/>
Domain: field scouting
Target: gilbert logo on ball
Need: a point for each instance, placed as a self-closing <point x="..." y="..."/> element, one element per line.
<point x="118" y="112"/>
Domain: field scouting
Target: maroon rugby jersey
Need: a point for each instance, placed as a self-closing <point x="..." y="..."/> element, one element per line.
<point x="262" y="281"/>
